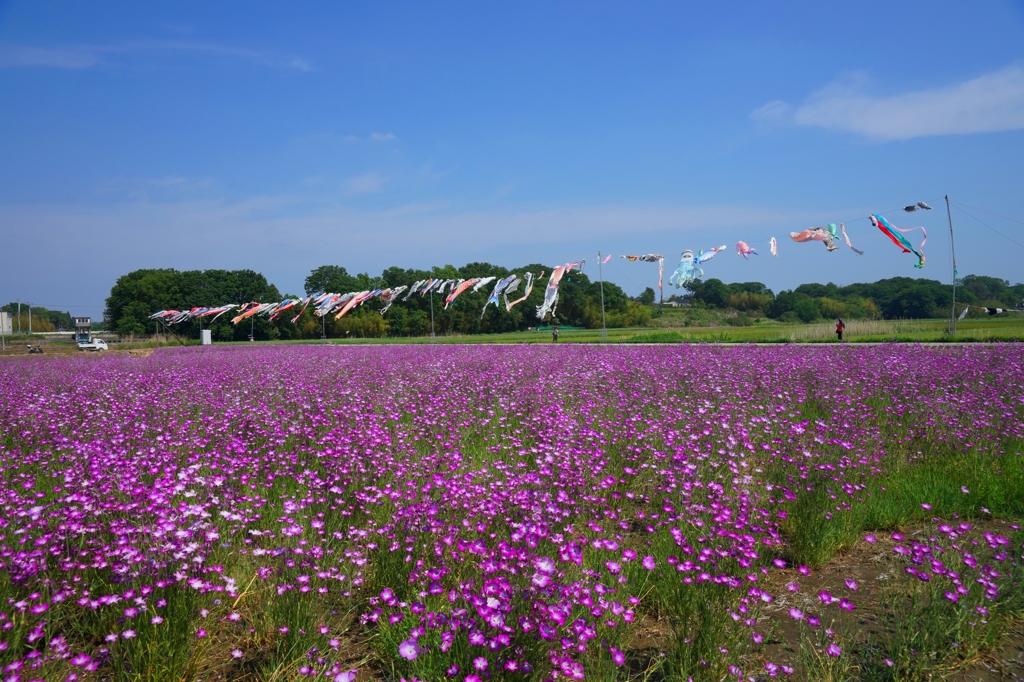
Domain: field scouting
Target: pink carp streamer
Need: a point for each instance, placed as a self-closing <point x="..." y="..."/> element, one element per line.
<point x="818" y="234"/>
<point x="773" y="247"/>
<point x="458" y="290"/>
<point x="743" y="249"/>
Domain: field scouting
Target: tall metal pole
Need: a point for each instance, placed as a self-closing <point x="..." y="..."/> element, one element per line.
<point x="19" y="317"/>
<point x="3" y="339"/>
<point x="29" y="318"/>
<point x="952" y="251"/>
<point x="433" y="337"/>
<point x="600" y="276"/>
<point x="661" y="284"/>
<point x="323" y="327"/>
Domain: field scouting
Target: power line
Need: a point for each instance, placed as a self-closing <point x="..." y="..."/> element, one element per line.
<point x="989" y="212"/>
<point x="990" y="227"/>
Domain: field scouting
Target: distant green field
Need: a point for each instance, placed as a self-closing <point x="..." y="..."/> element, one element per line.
<point x="1006" y="328"/>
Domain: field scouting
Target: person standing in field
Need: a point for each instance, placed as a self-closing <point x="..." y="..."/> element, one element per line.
<point x="839" y="329"/>
<point x="554" y="333"/>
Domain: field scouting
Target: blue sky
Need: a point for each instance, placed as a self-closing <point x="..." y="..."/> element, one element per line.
<point x="284" y="136"/>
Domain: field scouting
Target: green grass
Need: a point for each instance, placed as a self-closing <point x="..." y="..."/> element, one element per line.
<point x="766" y="331"/>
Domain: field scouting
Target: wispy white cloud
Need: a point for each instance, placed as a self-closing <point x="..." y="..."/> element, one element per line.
<point x="772" y="114"/>
<point x="12" y="56"/>
<point x="990" y="103"/>
<point x="160" y="187"/>
<point x="86" y="56"/>
<point x="367" y="183"/>
<point x="383" y="137"/>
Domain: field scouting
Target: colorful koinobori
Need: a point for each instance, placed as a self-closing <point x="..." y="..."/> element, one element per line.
<point x="896" y="235"/>
<point x="551" y="292"/>
<point x="652" y="258"/>
<point x="990" y="311"/>
<point x="174" y="316"/>
<point x="688" y="270"/>
<point x="341" y="304"/>
<point x="818" y="234"/>
<point x="689" y="266"/>
<point x="744" y="249"/>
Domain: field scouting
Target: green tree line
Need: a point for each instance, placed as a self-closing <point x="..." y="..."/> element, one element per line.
<point x="892" y="298"/>
<point x="141" y="293"/>
<point x="43" y="319"/>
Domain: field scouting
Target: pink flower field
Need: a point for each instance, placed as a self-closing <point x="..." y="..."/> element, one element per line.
<point x="511" y="513"/>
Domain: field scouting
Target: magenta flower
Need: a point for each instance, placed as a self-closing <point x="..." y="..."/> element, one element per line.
<point x="409" y="650"/>
<point x="833" y="650"/>
<point x="826" y="597"/>
<point x="617" y="656"/>
<point x="796" y="613"/>
<point x="851" y="584"/>
<point x="649" y="563"/>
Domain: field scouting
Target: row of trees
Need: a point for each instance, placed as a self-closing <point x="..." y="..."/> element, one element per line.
<point x="893" y="298"/>
<point x="41" y="319"/>
<point x="139" y="294"/>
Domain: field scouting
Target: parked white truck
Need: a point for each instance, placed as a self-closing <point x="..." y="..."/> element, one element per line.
<point x="94" y="345"/>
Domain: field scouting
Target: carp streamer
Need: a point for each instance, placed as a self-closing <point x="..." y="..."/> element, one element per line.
<point x="896" y="235"/>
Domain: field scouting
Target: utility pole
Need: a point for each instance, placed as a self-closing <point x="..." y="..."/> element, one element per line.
<point x="19" y="317"/>
<point x="661" y="283"/>
<point x="3" y="339"/>
<point x="323" y="328"/>
<point x="29" y="318"/>
<point x="600" y="277"/>
<point x="433" y="337"/>
<point x="952" y="251"/>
